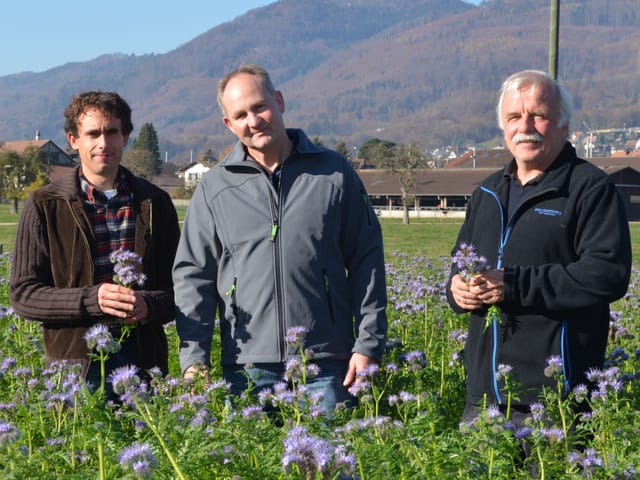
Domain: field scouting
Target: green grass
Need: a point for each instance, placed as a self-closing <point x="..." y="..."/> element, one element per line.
<point x="8" y="223"/>
<point x="432" y="238"/>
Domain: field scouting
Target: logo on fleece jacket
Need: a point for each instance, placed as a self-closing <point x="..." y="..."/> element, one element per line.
<point x="549" y="212"/>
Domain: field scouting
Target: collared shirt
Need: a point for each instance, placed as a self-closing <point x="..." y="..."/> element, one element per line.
<point x="275" y="177"/>
<point x="113" y="223"/>
<point x="517" y="191"/>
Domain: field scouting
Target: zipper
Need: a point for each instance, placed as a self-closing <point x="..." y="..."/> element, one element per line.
<point x="564" y="355"/>
<point x="327" y="290"/>
<point x="276" y="210"/>
<point x="504" y="236"/>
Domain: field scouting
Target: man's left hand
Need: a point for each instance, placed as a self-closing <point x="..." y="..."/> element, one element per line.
<point x="488" y="286"/>
<point x="357" y="363"/>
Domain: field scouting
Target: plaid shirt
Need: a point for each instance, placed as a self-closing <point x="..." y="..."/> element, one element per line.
<point x="113" y="221"/>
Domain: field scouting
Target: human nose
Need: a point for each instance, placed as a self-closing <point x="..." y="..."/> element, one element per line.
<point x="526" y="123"/>
<point x="101" y="140"/>
<point x="253" y="119"/>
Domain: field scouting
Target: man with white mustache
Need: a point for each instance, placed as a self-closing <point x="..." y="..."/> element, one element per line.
<point x="554" y="229"/>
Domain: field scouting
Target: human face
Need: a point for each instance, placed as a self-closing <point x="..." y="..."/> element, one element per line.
<point x="254" y="115"/>
<point x="100" y="144"/>
<point x="530" y="121"/>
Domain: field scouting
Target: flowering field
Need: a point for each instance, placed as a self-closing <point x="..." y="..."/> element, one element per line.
<point x="406" y="424"/>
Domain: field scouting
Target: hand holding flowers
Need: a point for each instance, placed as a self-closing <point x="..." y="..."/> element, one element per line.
<point x="126" y="272"/>
<point x="119" y="299"/>
<point x="482" y="284"/>
<point x="125" y="268"/>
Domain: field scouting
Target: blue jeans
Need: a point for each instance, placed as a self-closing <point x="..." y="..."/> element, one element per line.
<point x="266" y="375"/>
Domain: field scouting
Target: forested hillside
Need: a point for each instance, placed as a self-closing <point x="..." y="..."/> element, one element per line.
<point x="402" y="70"/>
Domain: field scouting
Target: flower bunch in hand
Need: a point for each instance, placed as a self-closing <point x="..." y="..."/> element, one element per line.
<point x="470" y="263"/>
<point x="126" y="272"/>
<point x="126" y="268"/>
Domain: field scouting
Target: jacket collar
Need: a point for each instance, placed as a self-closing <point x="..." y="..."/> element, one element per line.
<point x="301" y="145"/>
<point x="69" y="185"/>
<point x="553" y="177"/>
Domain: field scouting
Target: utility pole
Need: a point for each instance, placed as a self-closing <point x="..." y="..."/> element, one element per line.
<point x="554" y="34"/>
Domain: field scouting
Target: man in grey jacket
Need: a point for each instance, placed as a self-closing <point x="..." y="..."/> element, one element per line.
<point x="280" y="235"/>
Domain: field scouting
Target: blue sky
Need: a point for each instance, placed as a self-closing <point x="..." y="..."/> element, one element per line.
<point x="36" y="35"/>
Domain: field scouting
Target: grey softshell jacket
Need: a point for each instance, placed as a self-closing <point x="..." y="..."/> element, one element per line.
<point x="308" y="254"/>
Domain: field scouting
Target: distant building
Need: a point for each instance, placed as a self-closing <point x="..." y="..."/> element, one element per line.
<point x="446" y="191"/>
<point x="167" y="179"/>
<point x="55" y="155"/>
<point x="60" y="162"/>
<point x="192" y="173"/>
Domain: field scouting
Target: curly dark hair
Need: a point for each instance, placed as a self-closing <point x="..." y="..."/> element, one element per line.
<point x="109" y="103"/>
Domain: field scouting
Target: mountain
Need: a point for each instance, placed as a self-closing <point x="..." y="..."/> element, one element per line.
<point x="402" y="70"/>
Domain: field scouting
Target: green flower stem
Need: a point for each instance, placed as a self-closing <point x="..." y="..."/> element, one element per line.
<point x="148" y="419"/>
<point x="563" y="418"/>
<point x="540" y="462"/>
<point x="442" y="369"/>
<point x="103" y="373"/>
<point x="101" y="471"/>
<point x="74" y="430"/>
<point x="426" y="336"/>
<point x="490" y="469"/>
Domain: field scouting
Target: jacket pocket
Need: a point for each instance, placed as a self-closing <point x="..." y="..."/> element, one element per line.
<point x="327" y="291"/>
<point x="231" y="293"/>
<point x="367" y="206"/>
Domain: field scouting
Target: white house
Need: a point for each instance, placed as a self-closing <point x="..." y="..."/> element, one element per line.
<point x="192" y="173"/>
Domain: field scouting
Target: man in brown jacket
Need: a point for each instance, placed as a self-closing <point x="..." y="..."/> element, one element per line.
<point x="61" y="272"/>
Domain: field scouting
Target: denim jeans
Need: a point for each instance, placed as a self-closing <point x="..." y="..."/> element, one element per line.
<point x="266" y="375"/>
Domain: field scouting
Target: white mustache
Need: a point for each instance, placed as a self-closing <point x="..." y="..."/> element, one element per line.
<point x="528" y="137"/>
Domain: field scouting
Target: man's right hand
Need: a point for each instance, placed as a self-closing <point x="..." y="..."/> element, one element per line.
<point x="117" y="300"/>
<point x="462" y="295"/>
<point x="193" y="372"/>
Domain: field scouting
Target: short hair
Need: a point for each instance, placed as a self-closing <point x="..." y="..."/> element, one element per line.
<point x="109" y="103"/>
<point x="248" y="69"/>
<point x="534" y="78"/>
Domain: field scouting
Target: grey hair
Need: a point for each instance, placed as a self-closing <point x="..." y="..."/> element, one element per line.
<point x="534" y="78"/>
<point x="248" y="69"/>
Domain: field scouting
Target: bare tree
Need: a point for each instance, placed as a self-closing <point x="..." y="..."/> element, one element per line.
<point x="403" y="162"/>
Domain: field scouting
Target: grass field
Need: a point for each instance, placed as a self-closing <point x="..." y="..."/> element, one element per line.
<point x="430" y="237"/>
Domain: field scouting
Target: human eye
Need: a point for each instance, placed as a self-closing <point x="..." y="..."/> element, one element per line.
<point x="239" y="115"/>
<point x="92" y="133"/>
<point x="541" y="116"/>
<point x="512" y="117"/>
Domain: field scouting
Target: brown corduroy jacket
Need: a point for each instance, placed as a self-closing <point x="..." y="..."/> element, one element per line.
<point x="52" y="269"/>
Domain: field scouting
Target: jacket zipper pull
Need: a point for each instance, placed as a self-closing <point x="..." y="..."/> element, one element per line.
<point x="231" y="290"/>
<point x="274" y="232"/>
<point x="500" y="253"/>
